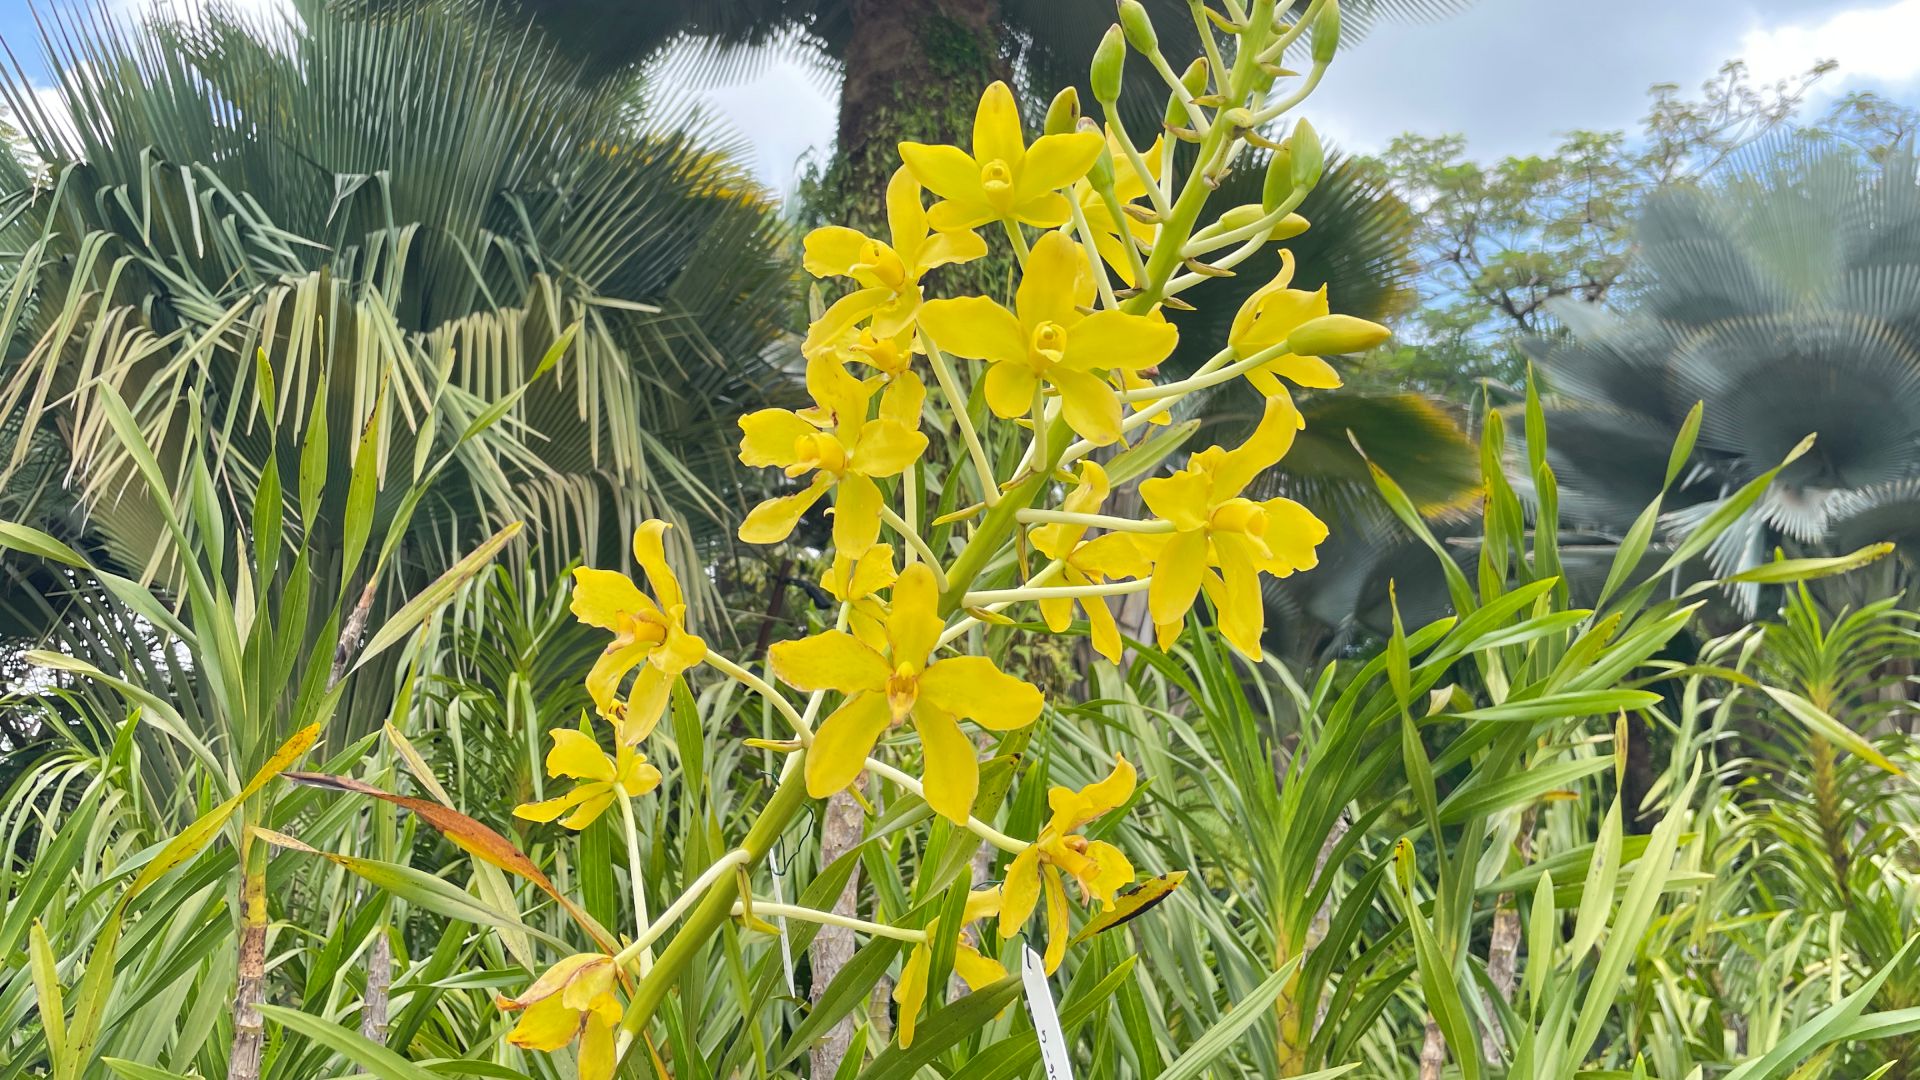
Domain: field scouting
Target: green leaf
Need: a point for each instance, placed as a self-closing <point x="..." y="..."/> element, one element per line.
<point x="429" y="599"/>
<point x="1830" y="729"/>
<point x="943" y="1029"/>
<point x="1255" y="1008"/>
<point x="353" y="1046"/>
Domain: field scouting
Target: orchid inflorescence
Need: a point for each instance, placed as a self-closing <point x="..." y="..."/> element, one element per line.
<point x="1106" y="237"/>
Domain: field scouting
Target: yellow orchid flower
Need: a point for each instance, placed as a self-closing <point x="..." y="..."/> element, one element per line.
<point x="573" y="999"/>
<point x="974" y="968"/>
<point x="836" y="442"/>
<point x="885" y="686"/>
<point x="1110" y="236"/>
<point x="1216" y="527"/>
<point x="1004" y="179"/>
<point x="646" y="631"/>
<point x="1266" y="319"/>
<point x="1097" y="867"/>
<point x="888" y="274"/>
<point x="602" y="779"/>
<point x="1112" y="555"/>
<point x="1051" y="340"/>
<point x="856" y="581"/>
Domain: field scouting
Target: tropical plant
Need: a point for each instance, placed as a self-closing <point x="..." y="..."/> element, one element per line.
<point x="1776" y="297"/>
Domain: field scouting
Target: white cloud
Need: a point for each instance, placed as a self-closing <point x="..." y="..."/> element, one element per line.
<point x="1875" y="43"/>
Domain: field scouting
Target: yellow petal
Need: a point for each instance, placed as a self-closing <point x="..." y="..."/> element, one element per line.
<point x="767" y="437"/>
<point x="830" y="660"/>
<point x="974" y="688"/>
<point x="910" y="992"/>
<point x="603" y="597"/>
<point x="550" y="809"/>
<point x="975" y="970"/>
<point x="951" y="772"/>
<point x="1292" y="534"/>
<point x="1270" y="441"/>
<point x="609" y="668"/>
<point x="886" y="447"/>
<point x="953" y="246"/>
<point x="551" y="981"/>
<point x="639" y="778"/>
<point x="1127" y="181"/>
<point x="1010" y="387"/>
<point x="1242" y="612"/>
<point x="974" y="327"/>
<point x="592" y="981"/>
<point x="1020" y="891"/>
<point x="996" y="128"/>
<point x="1106" y="632"/>
<point x="597" y="1057"/>
<point x="831" y="251"/>
<point x="1176" y="575"/>
<point x="1055" y="284"/>
<point x="1056" y="920"/>
<point x="590" y="808"/>
<point x="1054" y="162"/>
<point x="1110" y="792"/>
<point x="547" y="1025"/>
<point x="856" y="514"/>
<point x="835" y="389"/>
<point x="773" y="520"/>
<point x="1088" y="404"/>
<point x="1058" y="613"/>
<point x="1114" y="871"/>
<point x="946" y="171"/>
<point x="954" y="216"/>
<point x="681" y="650"/>
<point x="1113" y="555"/>
<point x="1115" y="339"/>
<point x="914" y="624"/>
<point x="575" y="754"/>
<point x="650" y="551"/>
<point x="1308" y="371"/>
<point x="903" y="400"/>
<point x="646" y="702"/>
<point x="840" y="318"/>
<point x="1047" y="211"/>
<point x="906" y="217"/>
<point x="1180" y="498"/>
<point x="845" y="738"/>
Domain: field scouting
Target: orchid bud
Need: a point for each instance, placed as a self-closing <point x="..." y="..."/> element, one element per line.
<point x="1109" y="60"/>
<point x="1326" y="33"/>
<point x="1334" y="335"/>
<point x="1279" y="183"/>
<point x="1195" y="81"/>
<point x="1309" y="160"/>
<point x="1138" y="27"/>
<point x="1241" y="216"/>
<point x="1063" y="114"/>
<point x="1290" y="226"/>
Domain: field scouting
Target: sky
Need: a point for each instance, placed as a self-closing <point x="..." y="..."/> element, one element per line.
<point x="1511" y="75"/>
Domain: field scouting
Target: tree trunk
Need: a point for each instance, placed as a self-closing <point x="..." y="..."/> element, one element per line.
<point x="833" y="946"/>
<point x="1503" y="946"/>
<point x="1433" y="1053"/>
<point x="914" y="69"/>
<point x="249" y="1032"/>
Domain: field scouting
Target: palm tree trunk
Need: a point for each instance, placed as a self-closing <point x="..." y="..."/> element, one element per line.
<point x="833" y="946"/>
<point x="914" y="69"/>
<point x="248" y="1027"/>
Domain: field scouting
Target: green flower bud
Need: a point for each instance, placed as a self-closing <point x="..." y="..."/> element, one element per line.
<point x="1063" y="115"/>
<point x="1333" y="335"/>
<point x="1309" y="160"/>
<point x="1101" y="175"/>
<point x="1195" y="81"/>
<point x="1279" y="184"/>
<point x="1241" y="216"/>
<point x="1326" y="33"/>
<point x="1138" y="27"/>
<point x="1109" y="61"/>
<point x="1290" y="226"/>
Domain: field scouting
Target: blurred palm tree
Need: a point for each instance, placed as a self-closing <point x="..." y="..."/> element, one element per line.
<point x="1787" y="299"/>
<point x="324" y="212"/>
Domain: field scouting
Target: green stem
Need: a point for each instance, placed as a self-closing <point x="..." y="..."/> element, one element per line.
<point x="717" y="906"/>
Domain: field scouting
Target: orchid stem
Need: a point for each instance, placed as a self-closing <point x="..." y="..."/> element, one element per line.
<point x="829" y="918"/>
<point x="801" y="727"/>
<point x="1030" y="592"/>
<point x="974" y="825"/>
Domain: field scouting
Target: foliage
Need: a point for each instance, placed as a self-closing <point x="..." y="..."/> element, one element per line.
<point x="648" y="852"/>
<point x="1775" y="298"/>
